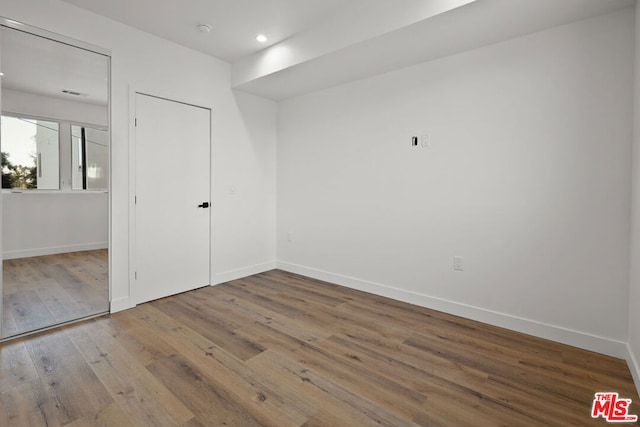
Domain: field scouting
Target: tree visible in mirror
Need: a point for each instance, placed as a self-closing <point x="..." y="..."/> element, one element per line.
<point x="18" y="176"/>
<point x="7" y="171"/>
<point x="30" y="153"/>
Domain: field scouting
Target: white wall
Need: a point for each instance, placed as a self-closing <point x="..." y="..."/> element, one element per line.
<point x="527" y="178"/>
<point x="47" y="223"/>
<point x="244" y="189"/>
<point x="143" y="62"/>
<point x="20" y="102"/>
<point x="634" y="290"/>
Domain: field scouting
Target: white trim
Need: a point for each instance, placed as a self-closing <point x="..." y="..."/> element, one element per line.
<point x="634" y="366"/>
<point x="240" y="273"/>
<point x="211" y="205"/>
<point x="109" y="184"/>
<point x="27" y="253"/>
<point x="134" y="89"/>
<point x="132" y="194"/>
<point x="121" y="304"/>
<point x="10" y="23"/>
<point x="527" y="326"/>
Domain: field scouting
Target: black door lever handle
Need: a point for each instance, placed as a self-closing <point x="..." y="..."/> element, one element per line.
<point x="204" y="205"/>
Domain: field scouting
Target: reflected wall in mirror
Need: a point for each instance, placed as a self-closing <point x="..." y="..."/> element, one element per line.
<point x="54" y="140"/>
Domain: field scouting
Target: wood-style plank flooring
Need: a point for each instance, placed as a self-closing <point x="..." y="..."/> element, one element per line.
<point x="278" y="349"/>
<point x="53" y="289"/>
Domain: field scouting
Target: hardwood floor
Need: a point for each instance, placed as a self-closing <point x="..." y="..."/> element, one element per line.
<point x="279" y="349"/>
<point x="52" y="289"/>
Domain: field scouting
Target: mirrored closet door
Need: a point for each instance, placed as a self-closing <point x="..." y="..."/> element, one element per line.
<point x="54" y="140"/>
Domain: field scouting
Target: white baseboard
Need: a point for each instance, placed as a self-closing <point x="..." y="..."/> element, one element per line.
<point x="559" y="334"/>
<point x="125" y="303"/>
<point x="634" y="367"/>
<point x="121" y="304"/>
<point x="240" y="273"/>
<point x="26" y="253"/>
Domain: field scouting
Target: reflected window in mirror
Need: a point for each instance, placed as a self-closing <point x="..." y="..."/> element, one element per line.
<point x="30" y="153"/>
<point x="90" y="158"/>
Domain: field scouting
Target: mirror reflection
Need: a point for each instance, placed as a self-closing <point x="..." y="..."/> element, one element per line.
<point x="29" y="153"/>
<point x="90" y="158"/>
<point x="54" y="141"/>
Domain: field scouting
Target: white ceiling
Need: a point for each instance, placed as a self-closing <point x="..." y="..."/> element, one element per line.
<point x="235" y="23"/>
<point x="468" y="27"/>
<point x="314" y="44"/>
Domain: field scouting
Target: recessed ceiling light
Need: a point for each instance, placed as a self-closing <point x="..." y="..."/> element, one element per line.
<point x="261" y="38"/>
<point x="204" y="28"/>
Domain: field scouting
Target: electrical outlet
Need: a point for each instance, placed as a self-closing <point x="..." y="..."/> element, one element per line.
<point x="290" y="236"/>
<point x="457" y="263"/>
<point x="414" y="141"/>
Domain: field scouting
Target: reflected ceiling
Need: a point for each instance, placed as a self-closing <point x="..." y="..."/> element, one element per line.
<point x="44" y="67"/>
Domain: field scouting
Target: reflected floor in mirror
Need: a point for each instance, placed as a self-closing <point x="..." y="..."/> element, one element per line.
<point x="47" y="290"/>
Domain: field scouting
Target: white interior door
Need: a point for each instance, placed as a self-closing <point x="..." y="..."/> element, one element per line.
<point x="172" y="185"/>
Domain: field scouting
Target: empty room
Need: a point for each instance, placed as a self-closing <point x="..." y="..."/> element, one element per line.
<point x="320" y="213"/>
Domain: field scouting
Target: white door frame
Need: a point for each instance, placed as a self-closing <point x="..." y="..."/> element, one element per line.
<point x="129" y="301"/>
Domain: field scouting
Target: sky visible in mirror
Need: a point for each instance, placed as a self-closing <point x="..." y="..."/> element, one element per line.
<point x="18" y="138"/>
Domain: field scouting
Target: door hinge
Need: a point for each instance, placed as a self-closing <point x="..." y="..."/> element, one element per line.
<point x="135" y="200"/>
<point x="135" y="122"/>
<point x="135" y="275"/>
